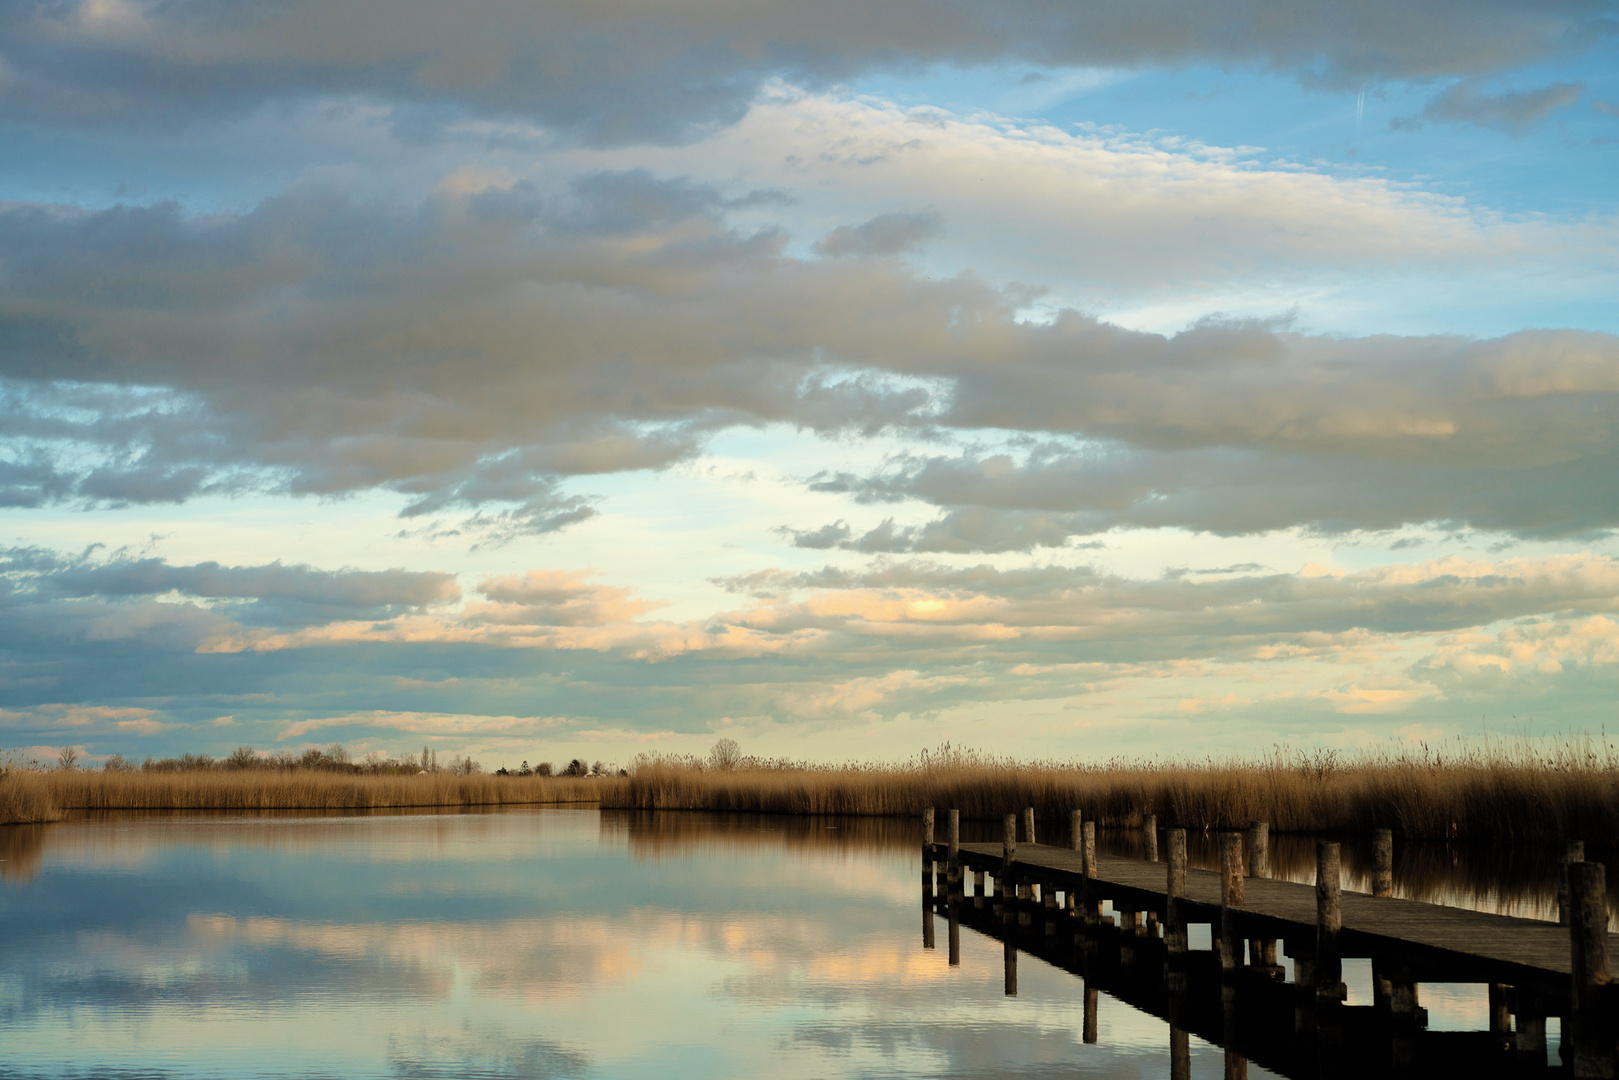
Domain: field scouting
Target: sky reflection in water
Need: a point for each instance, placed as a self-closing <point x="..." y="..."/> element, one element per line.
<point x="549" y="943"/>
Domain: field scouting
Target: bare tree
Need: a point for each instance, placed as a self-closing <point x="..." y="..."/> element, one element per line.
<point x="725" y="755"/>
<point x="68" y="758"/>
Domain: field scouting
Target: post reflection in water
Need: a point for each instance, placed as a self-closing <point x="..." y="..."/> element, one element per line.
<point x="555" y="943"/>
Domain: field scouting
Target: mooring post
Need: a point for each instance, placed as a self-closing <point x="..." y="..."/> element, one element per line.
<point x="1382" y="862"/>
<point x="954" y="902"/>
<point x="1329" y="921"/>
<point x="1593" y="1020"/>
<point x="1028" y="824"/>
<point x="1261" y="951"/>
<point x="1004" y="881"/>
<point x="952" y="872"/>
<point x="1259" y="849"/>
<point x="1009" y="956"/>
<point x="1180" y="1054"/>
<point x="1573" y="852"/>
<point x="1088" y="1032"/>
<point x="927" y="851"/>
<point x="1382" y="886"/>
<point x="1076" y="841"/>
<point x="1501" y="1014"/>
<point x="1092" y="909"/>
<point x="1149" y="837"/>
<point x="1175" y="894"/>
<point x="1230" y="900"/>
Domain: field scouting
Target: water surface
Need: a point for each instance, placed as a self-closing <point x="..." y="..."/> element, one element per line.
<point x="534" y="943"/>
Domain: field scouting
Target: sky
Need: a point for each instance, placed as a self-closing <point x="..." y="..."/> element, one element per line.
<point x="592" y="380"/>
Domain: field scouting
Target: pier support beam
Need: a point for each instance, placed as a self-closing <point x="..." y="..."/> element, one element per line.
<point x="1028" y="824"/>
<point x="1149" y="837"/>
<point x="1501" y="1015"/>
<point x="1594" y="1029"/>
<point x="1175" y="895"/>
<point x="1261" y="951"/>
<point x="952" y="868"/>
<point x="1382" y="862"/>
<point x="1329" y="921"/>
<point x="1573" y="852"/>
<point x="1090" y="902"/>
<point x="978" y="889"/>
<point x="1230" y="900"/>
<point x="927" y="851"/>
<point x="1009" y="958"/>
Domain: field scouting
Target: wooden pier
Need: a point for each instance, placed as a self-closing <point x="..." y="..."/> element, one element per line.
<point x="1047" y="900"/>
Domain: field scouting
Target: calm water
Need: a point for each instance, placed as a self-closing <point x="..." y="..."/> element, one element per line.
<point x="542" y="943"/>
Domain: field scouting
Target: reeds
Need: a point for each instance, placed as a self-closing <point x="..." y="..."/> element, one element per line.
<point x="1515" y="794"/>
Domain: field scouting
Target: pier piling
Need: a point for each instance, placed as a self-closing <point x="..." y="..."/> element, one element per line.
<point x="1382" y="862"/>
<point x="1230" y="899"/>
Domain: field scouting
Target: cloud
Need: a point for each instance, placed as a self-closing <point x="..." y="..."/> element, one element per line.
<point x="556" y="598"/>
<point x="660" y="72"/>
<point x="1514" y="112"/>
<point x="886" y="234"/>
<point x="472" y="351"/>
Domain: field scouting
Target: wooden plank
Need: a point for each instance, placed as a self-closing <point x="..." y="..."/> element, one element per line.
<point x="1532" y="951"/>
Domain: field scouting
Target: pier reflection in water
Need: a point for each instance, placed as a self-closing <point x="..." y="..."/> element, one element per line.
<point x="564" y="943"/>
<point x="1251" y="1005"/>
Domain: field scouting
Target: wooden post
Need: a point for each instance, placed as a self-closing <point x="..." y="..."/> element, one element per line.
<point x="1149" y="837"/>
<point x="1230" y="900"/>
<point x="1531" y="1037"/>
<point x="1593" y="1025"/>
<point x="1500" y="1014"/>
<point x="927" y="851"/>
<point x="1075" y="822"/>
<point x="1005" y="887"/>
<point x="953" y="867"/>
<point x="1009" y="957"/>
<point x="1573" y="852"/>
<point x="978" y="889"/>
<point x="1259" y="849"/>
<point x="1180" y="1054"/>
<point x="1174" y="914"/>
<point x="1088" y="1033"/>
<point x="1028" y="824"/>
<point x="1382" y="862"/>
<point x="1329" y="921"/>
<point x="955" y="928"/>
<point x="1261" y="951"/>
<point x="1092" y="910"/>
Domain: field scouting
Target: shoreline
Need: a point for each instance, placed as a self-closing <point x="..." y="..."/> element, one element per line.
<point x="1478" y="801"/>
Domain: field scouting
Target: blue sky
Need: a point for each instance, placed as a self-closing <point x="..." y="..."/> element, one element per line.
<point x="535" y="383"/>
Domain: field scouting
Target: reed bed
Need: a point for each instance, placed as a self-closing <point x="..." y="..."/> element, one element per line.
<point x="37" y="796"/>
<point x="1515" y="794"/>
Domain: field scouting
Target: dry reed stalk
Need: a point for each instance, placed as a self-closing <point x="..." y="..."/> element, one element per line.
<point x="1517" y="795"/>
<point x="308" y="790"/>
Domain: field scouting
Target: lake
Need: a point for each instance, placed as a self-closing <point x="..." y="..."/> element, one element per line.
<point x="533" y="943"/>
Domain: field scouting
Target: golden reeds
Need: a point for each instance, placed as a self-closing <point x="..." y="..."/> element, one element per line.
<point x="1516" y="795"/>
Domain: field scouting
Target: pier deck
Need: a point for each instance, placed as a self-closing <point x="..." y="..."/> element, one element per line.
<point x="1431" y="941"/>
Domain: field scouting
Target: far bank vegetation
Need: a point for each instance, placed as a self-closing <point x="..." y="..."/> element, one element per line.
<point x="1503" y="793"/>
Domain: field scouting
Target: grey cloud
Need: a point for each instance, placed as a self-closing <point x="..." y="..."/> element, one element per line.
<point x="827" y="536"/>
<point x="277" y="593"/>
<point x="1225" y="615"/>
<point x="1513" y="111"/>
<point x="886" y="234"/>
<point x="629" y="72"/>
<point x="470" y="352"/>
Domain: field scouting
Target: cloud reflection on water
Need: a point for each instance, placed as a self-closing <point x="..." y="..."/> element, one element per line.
<point x="550" y="943"/>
